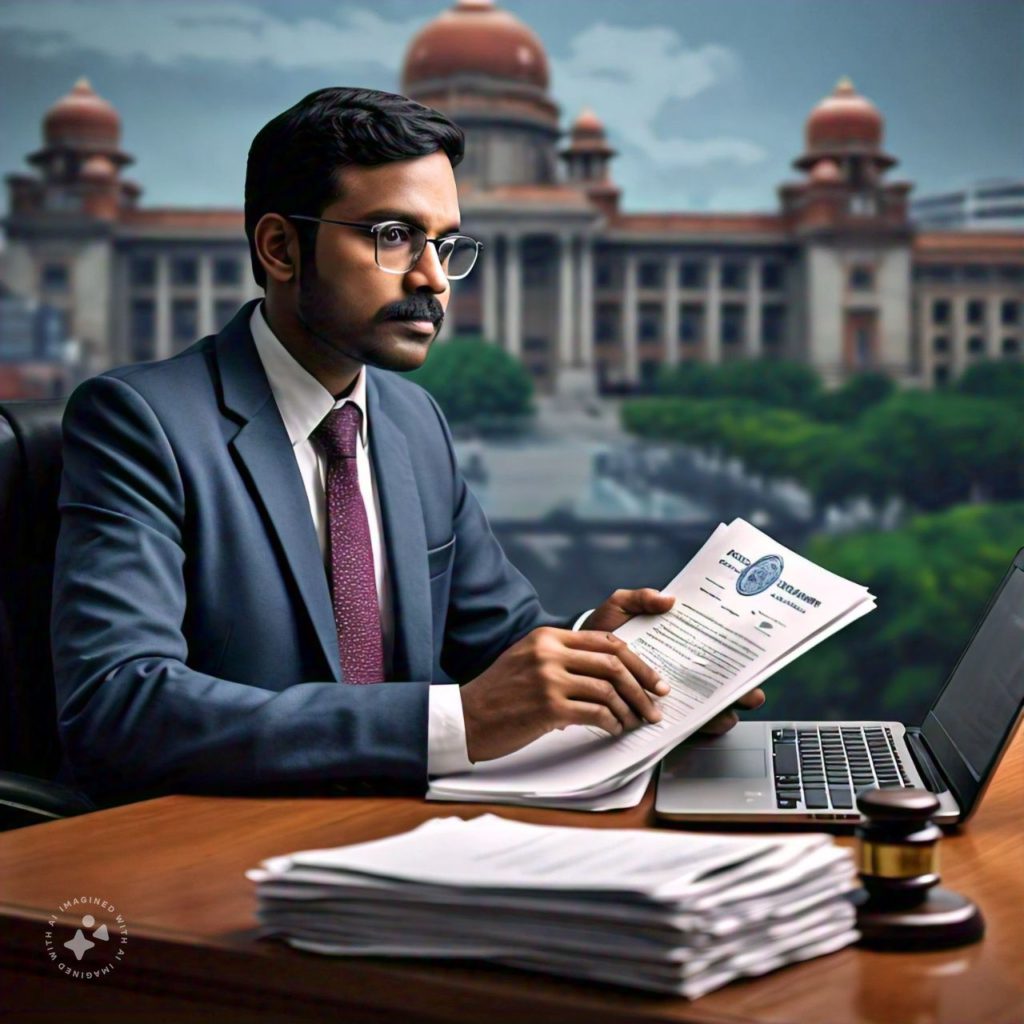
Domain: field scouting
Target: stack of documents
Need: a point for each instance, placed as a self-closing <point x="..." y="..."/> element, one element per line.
<point x="745" y="607"/>
<point x="669" y="912"/>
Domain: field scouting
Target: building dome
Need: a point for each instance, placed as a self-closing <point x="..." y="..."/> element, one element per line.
<point x="99" y="170"/>
<point x="475" y="37"/>
<point x="844" y="119"/>
<point x="825" y="170"/>
<point x="82" y="120"/>
<point x="845" y="127"/>
<point x="588" y="123"/>
<point x="587" y="135"/>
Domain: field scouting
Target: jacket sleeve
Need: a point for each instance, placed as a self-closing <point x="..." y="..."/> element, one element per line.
<point x="491" y="604"/>
<point x="134" y="718"/>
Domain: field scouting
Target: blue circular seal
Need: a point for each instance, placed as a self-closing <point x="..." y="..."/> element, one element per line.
<point x="759" y="576"/>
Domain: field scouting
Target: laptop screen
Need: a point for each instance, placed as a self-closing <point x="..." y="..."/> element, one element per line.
<point x="977" y="708"/>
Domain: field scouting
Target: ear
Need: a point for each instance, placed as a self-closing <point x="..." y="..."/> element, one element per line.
<point x="277" y="246"/>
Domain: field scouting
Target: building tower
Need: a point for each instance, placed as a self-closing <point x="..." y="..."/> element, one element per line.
<point x="488" y="72"/>
<point x="857" y="239"/>
<point x="587" y="161"/>
<point x="79" y="163"/>
<point x="62" y="219"/>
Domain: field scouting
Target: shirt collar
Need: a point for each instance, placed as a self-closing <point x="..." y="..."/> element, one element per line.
<point x="301" y="399"/>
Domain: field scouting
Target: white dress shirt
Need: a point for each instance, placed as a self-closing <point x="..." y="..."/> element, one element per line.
<point x="303" y="402"/>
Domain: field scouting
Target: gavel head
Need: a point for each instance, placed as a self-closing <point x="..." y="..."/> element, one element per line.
<point x="897" y="857"/>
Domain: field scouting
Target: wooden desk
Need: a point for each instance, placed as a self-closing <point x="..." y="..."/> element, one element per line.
<point x="174" y="868"/>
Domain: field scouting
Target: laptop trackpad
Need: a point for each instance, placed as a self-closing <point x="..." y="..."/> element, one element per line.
<point x="710" y="763"/>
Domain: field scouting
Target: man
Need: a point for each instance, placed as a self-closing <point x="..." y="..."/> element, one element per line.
<point x="268" y="554"/>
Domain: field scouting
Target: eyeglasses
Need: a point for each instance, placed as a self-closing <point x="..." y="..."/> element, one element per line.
<point x="400" y="246"/>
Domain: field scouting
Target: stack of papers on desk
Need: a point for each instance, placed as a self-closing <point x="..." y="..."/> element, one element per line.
<point x="669" y="912"/>
<point x="745" y="607"/>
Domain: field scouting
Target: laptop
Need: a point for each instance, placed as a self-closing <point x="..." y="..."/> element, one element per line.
<point x="792" y="772"/>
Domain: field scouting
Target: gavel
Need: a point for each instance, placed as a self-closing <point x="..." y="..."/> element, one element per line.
<point x="898" y="860"/>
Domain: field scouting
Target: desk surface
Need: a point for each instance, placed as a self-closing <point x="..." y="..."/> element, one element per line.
<point x="174" y="868"/>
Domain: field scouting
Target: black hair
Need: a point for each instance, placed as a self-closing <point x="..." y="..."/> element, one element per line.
<point x="295" y="158"/>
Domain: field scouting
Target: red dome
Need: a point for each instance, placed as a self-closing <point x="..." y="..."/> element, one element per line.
<point x="82" y="120"/>
<point x="476" y="37"/>
<point x="588" y="123"/>
<point x="587" y="135"/>
<point x="843" y="119"/>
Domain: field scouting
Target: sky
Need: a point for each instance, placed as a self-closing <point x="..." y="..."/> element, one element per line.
<point x="704" y="99"/>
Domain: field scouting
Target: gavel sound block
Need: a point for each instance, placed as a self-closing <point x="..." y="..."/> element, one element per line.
<point x="900" y="906"/>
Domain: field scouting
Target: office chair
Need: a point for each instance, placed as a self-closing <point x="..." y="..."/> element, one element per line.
<point x="30" y="466"/>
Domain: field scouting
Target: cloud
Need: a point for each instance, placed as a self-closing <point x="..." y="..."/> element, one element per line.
<point x="636" y="72"/>
<point x="225" y="31"/>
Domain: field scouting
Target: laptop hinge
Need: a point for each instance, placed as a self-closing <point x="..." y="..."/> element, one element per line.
<point x="925" y="764"/>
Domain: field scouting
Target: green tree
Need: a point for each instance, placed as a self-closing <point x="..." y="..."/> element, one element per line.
<point x="932" y="579"/>
<point x="766" y="381"/>
<point x="942" y="449"/>
<point x="994" y="380"/>
<point x="476" y="383"/>
<point x="932" y="450"/>
<point x="690" y="380"/>
<point x="773" y="382"/>
<point x="772" y="442"/>
<point x="847" y="469"/>
<point x="858" y="394"/>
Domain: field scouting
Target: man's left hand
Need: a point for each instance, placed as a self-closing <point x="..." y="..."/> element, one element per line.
<point x="624" y="604"/>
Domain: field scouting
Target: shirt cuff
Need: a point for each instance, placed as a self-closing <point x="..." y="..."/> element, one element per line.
<point x="583" y="618"/>
<point x="446" y="731"/>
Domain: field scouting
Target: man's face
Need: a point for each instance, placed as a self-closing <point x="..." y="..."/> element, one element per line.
<point x="364" y="313"/>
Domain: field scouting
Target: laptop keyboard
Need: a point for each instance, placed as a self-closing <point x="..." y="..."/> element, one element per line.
<point x="822" y="767"/>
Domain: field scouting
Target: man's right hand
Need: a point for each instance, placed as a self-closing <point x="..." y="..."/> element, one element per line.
<point x="553" y="678"/>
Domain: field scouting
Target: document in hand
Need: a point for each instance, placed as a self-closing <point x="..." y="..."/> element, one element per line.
<point x="663" y="911"/>
<point x="745" y="607"/>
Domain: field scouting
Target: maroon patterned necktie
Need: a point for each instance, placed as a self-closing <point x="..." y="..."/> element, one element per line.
<point x="353" y="584"/>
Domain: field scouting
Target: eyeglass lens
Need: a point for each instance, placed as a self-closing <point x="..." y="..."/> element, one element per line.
<point x="400" y="246"/>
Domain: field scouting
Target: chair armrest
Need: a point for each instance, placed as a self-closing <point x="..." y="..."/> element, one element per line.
<point x="26" y="800"/>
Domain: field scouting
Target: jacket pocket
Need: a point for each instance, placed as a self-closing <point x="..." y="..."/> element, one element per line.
<point x="439" y="559"/>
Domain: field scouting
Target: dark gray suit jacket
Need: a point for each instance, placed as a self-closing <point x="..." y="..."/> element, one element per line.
<point x="193" y="638"/>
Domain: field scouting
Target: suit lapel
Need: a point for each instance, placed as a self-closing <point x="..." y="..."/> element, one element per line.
<point x="265" y="453"/>
<point x="404" y="539"/>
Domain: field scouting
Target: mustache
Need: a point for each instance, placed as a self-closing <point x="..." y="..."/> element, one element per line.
<point x="415" y="307"/>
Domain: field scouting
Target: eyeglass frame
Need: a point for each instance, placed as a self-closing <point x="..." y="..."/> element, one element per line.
<point x="374" y="229"/>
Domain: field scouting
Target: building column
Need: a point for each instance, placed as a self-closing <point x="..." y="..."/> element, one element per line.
<point x="586" y="321"/>
<point x="672" y="310"/>
<point x="629" y="317"/>
<point x="565" y="301"/>
<point x="489" y="268"/>
<point x="924" y="335"/>
<point x="958" y="339"/>
<point x="993" y="326"/>
<point x="163" y="306"/>
<point x="122" y="316"/>
<point x="513" y="297"/>
<point x="713" y="312"/>
<point x="752" y="343"/>
<point x="205" y="297"/>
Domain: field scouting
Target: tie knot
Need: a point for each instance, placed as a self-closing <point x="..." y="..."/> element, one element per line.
<point x="338" y="432"/>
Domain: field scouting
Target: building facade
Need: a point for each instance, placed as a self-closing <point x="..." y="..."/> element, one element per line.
<point x="995" y="204"/>
<point x="586" y="294"/>
<point x="36" y="358"/>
